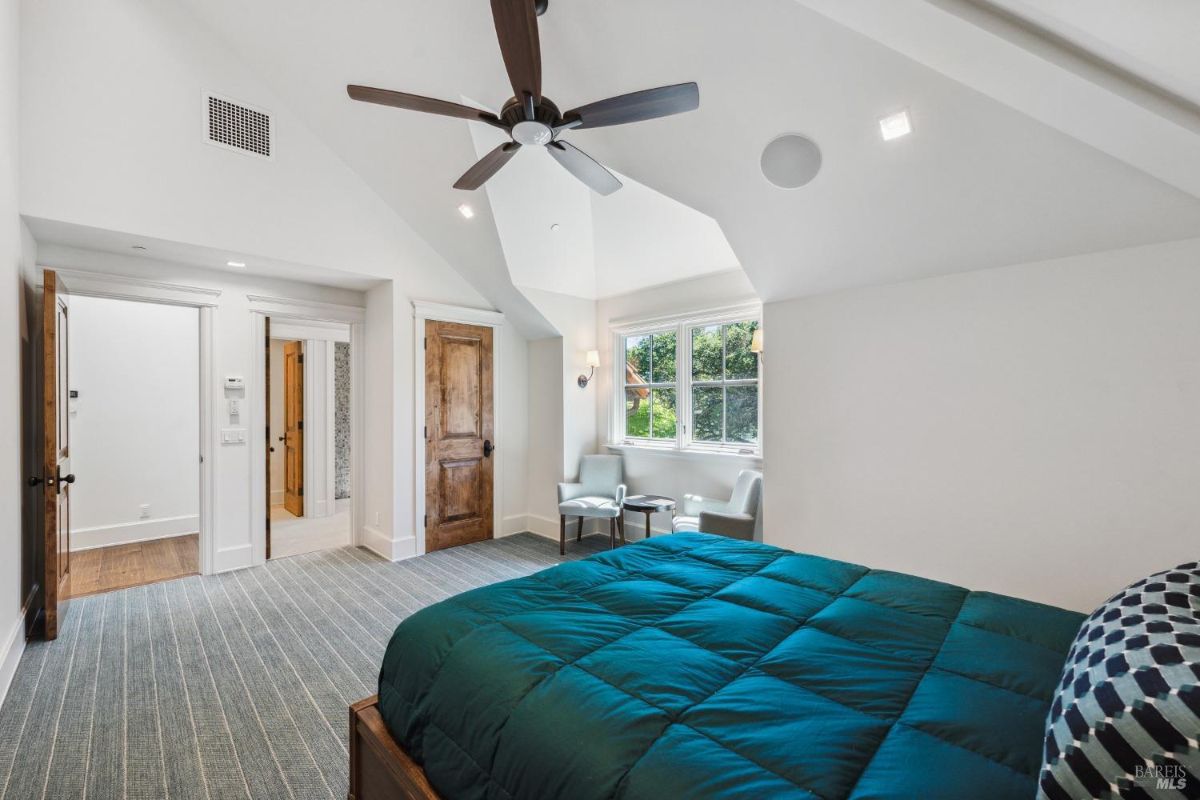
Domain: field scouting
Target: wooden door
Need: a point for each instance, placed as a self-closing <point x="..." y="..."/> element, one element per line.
<point x="270" y="445"/>
<point x="459" y="434"/>
<point x="56" y="433"/>
<point x="293" y="422"/>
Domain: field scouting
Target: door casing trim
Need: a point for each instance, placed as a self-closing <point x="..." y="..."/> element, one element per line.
<point x="301" y="312"/>
<point x="439" y="312"/>
<point x="123" y="287"/>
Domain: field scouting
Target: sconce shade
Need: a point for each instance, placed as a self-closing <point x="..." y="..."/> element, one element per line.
<point x="593" y="358"/>
<point x="756" y="342"/>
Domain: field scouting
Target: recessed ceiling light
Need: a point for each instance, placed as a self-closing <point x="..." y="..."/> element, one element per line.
<point x="236" y="264"/>
<point x="466" y="211"/>
<point x="895" y="125"/>
<point x="555" y="227"/>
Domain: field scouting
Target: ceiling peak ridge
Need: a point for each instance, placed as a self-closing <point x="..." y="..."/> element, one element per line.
<point x="1077" y="57"/>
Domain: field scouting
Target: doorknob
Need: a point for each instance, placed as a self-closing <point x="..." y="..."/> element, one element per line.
<point x="67" y="479"/>
<point x="487" y="448"/>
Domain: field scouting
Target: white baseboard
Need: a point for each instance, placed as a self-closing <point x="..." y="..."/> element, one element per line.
<point x="231" y="558"/>
<point x="384" y="546"/>
<point x="10" y="654"/>
<point x="635" y="526"/>
<point x="131" y="532"/>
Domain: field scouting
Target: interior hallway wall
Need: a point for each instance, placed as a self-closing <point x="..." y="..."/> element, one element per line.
<point x="12" y="254"/>
<point x="135" y="425"/>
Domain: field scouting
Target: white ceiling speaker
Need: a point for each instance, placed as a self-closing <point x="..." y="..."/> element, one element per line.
<point x="791" y="161"/>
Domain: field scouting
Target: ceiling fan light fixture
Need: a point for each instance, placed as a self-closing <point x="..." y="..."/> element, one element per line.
<point x="530" y="118"/>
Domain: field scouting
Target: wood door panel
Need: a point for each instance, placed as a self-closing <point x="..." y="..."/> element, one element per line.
<point x="459" y="433"/>
<point x="461" y="382"/>
<point x="56" y="431"/>
<point x="461" y="488"/>
<point x="293" y="420"/>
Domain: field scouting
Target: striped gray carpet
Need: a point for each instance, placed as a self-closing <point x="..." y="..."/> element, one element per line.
<point x="228" y="686"/>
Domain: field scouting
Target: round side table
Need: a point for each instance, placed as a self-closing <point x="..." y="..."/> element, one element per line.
<point x="649" y="504"/>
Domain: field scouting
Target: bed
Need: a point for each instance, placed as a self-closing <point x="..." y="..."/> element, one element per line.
<point x="698" y="666"/>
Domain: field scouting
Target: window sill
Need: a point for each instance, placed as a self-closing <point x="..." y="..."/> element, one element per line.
<point x="691" y="454"/>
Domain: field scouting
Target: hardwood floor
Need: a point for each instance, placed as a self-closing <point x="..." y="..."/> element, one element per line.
<point x="107" y="569"/>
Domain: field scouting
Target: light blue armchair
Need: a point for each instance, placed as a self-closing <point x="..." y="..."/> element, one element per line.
<point x="600" y="494"/>
<point x="734" y="518"/>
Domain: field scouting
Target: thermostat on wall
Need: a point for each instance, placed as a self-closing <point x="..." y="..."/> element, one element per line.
<point x="234" y="382"/>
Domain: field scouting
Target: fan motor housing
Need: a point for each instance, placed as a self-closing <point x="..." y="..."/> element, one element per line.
<point x="546" y="113"/>
<point x="540" y="6"/>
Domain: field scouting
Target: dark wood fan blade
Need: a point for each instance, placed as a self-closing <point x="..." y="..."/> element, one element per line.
<point x="415" y="102"/>
<point x="487" y="166"/>
<point x="637" y="107"/>
<point x="584" y="167"/>
<point x="517" y="30"/>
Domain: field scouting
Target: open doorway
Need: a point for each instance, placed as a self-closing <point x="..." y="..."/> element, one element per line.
<point x="133" y="407"/>
<point x="308" y="435"/>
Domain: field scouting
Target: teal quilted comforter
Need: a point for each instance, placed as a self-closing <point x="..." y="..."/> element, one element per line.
<point x="698" y="666"/>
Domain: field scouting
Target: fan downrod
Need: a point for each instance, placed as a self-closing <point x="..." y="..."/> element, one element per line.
<point x="540" y="6"/>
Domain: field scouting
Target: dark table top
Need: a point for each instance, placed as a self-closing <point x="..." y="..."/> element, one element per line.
<point x="649" y="502"/>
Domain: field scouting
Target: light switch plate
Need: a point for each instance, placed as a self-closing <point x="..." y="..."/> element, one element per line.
<point x="233" y="436"/>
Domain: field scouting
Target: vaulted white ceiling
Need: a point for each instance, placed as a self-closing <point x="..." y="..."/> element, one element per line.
<point x="982" y="182"/>
<point x="559" y="236"/>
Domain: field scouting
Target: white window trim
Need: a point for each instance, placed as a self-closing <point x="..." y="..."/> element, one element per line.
<point x="680" y="325"/>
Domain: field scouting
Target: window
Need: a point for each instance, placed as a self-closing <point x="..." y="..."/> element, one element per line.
<point x="694" y="385"/>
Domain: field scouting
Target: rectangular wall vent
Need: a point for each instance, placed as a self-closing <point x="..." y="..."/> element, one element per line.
<point x="238" y="126"/>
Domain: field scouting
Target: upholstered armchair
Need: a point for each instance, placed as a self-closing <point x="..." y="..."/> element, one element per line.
<point x="734" y="517"/>
<point x="599" y="494"/>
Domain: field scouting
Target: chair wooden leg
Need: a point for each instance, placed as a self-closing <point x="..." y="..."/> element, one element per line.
<point x="562" y="534"/>
<point x="612" y="533"/>
<point x="579" y="533"/>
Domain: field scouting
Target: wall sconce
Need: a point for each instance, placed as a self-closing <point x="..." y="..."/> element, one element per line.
<point x="756" y="345"/>
<point x="593" y="361"/>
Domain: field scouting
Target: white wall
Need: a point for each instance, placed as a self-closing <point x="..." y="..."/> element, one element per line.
<point x="11" y="622"/>
<point x="545" y="427"/>
<point x="555" y="366"/>
<point x="666" y="473"/>
<point x="135" y="427"/>
<point x="1032" y="430"/>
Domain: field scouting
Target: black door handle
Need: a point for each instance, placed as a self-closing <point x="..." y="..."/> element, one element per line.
<point x="487" y="448"/>
<point x="35" y="481"/>
<point x="67" y="479"/>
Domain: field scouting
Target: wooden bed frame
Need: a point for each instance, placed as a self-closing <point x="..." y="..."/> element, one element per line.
<point x="379" y="768"/>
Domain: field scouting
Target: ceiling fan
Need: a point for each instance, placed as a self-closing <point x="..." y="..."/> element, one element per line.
<point x="530" y="118"/>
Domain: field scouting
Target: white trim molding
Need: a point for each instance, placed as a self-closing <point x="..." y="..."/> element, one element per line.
<point x="303" y="313"/>
<point x="467" y="316"/>
<point x="310" y="310"/>
<point x="423" y="312"/>
<point x="10" y="654"/>
<point x="142" y="530"/>
<point x="124" y="287"/>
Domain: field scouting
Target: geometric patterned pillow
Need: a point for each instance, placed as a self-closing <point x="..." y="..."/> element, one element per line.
<point x="1126" y="717"/>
